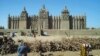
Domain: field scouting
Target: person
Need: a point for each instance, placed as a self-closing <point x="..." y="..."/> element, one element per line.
<point x="22" y="49"/>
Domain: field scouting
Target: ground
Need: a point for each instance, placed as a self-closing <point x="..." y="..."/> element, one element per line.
<point x="66" y="53"/>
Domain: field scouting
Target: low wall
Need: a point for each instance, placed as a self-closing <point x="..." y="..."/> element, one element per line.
<point x="7" y="31"/>
<point x="95" y="32"/>
<point x="73" y="32"/>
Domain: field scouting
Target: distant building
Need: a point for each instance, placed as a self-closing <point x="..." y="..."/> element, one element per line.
<point x="45" y="21"/>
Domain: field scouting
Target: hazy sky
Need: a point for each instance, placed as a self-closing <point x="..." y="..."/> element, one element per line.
<point x="76" y="7"/>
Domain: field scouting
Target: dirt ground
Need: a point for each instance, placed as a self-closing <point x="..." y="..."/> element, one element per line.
<point x="66" y="53"/>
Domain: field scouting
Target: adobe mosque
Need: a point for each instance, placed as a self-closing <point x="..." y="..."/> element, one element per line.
<point x="44" y="21"/>
<point x="45" y="24"/>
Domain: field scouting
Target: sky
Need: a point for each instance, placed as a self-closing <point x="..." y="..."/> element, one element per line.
<point x="90" y="8"/>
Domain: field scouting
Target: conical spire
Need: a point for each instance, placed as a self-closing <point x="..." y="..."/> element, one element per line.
<point x="8" y="15"/>
<point x="65" y="9"/>
<point x="24" y="9"/>
<point x="43" y="7"/>
<point x="24" y="12"/>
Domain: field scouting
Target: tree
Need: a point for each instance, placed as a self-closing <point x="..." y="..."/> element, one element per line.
<point x="1" y="27"/>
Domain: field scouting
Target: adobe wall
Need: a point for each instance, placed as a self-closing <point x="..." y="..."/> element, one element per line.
<point x="7" y="31"/>
<point x="95" y="32"/>
<point x="73" y="32"/>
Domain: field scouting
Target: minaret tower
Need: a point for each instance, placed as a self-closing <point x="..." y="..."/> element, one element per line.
<point x="23" y="19"/>
<point x="43" y="17"/>
<point x="65" y="19"/>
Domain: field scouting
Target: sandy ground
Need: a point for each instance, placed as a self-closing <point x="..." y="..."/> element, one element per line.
<point x="66" y="53"/>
